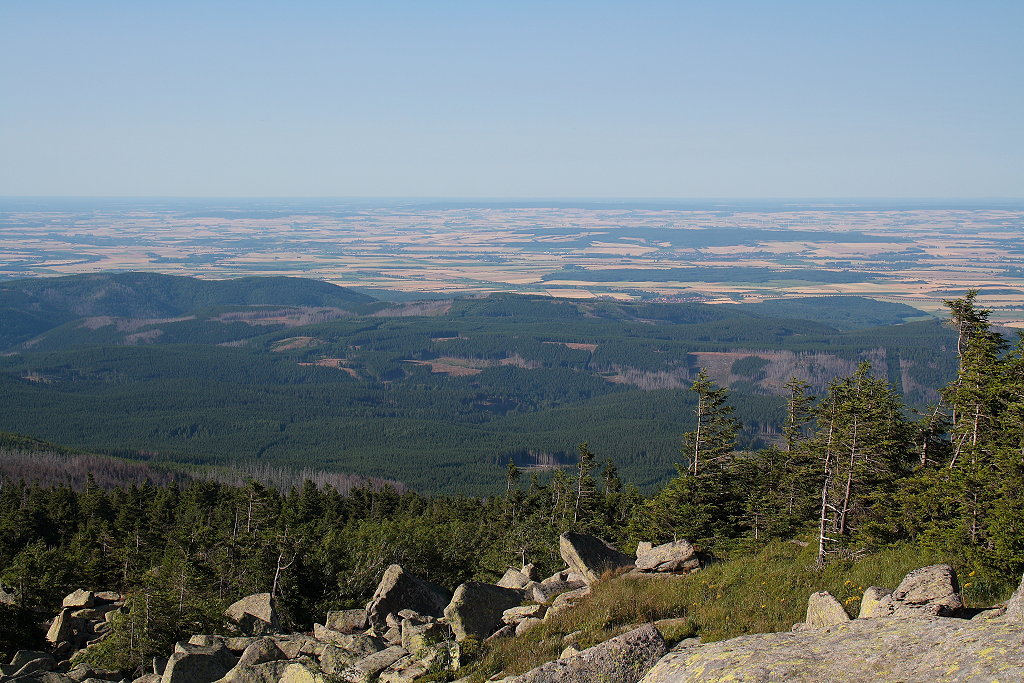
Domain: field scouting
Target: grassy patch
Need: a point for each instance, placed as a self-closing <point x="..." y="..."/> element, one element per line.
<point x="757" y="593"/>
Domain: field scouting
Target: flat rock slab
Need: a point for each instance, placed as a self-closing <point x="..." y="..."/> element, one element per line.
<point x="860" y="651"/>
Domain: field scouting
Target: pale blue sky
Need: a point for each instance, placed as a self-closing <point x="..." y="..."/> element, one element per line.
<point x="720" y="98"/>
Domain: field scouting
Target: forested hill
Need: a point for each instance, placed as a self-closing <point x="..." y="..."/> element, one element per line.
<point x="437" y="394"/>
<point x="30" y="307"/>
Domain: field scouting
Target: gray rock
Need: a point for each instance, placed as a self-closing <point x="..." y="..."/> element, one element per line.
<point x="566" y="600"/>
<point x="291" y="646"/>
<point x="262" y="672"/>
<point x="677" y="556"/>
<point x="514" y="615"/>
<point x="104" y="597"/>
<point x="44" y="662"/>
<point x="398" y="590"/>
<point x="922" y="650"/>
<point x="513" y="578"/>
<point x="359" y="644"/>
<point x="7" y="596"/>
<point x="367" y="668"/>
<point x="254" y="615"/>
<point x="63" y="627"/>
<point x="148" y="678"/>
<point x="79" y="599"/>
<point x="1015" y="606"/>
<point x="871" y="602"/>
<point x="526" y="624"/>
<point x="347" y="620"/>
<point x="543" y="592"/>
<point x="929" y="591"/>
<point x="590" y="556"/>
<point x="23" y="657"/>
<point x="624" y="659"/>
<point x="506" y="631"/>
<point x="260" y="651"/>
<point x="476" y="608"/>
<point x="416" y="638"/>
<point x="198" y="664"/>
<point x="334" y="660"/>
<point x="823" y="610"/>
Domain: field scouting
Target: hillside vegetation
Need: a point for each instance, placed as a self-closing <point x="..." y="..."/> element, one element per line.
<point x="437" y="394"/>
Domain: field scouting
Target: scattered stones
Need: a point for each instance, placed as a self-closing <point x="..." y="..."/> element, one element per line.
<point x="590" y="556"/>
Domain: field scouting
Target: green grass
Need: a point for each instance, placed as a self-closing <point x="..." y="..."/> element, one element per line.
<point x="757" y="593"/>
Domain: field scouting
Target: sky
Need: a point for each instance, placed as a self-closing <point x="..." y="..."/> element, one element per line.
<point x="712" y="99"/>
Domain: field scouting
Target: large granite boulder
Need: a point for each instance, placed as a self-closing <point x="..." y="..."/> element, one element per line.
<point x="624" y="659"/>
<point x="79" y="599"/>
<point x="922" y="650"/>
<point x="678" y="556"/>
<point x="476" y="608"/>
<point x="590" y="556"/>
<point x="928" y="591"/>
<point x="253" y="615"/>
<point x="513" y="578"/>
<point x="398" y="590"/>
<point x="871" y="603"/>
<point x="198" y="664"/>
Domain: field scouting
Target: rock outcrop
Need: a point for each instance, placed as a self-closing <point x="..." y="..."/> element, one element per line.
<point x="932" y="590"/>
<point x="921" y="650"/>
<point x="589" y="556"/>
<point x="823" y="610"/>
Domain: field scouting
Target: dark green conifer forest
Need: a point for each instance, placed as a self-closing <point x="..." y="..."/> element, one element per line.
<point x="854" y="472"/>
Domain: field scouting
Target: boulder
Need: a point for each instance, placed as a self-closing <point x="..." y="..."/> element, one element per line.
<point x="923" y="650"/>
<point x="590" y="556"/>
<point x="823" y="610"/>
<point x="530" y="572"/>
<point x="929" y="591"/>
<point x="505" y="631"/>
<point x="623" y="659"/>
<point x="300" y="672"/>
<point x="418" y="637"/>
<point x="63" y="626"/>
<point x="198" y="664"/>
<point x="871" y="603"/>
<point x="264" y="672"/>
<point x="334" y="660"/>
<point x="7" y="596"/>
<point x="260" y="651"/>
<point x="513" y="578"/>
<point x="398" y="590"/>
<point x="566" y="600"/>
<point x="291" y="646"/>
<point x="148" y="678"/>
<point x="39" y="663"/>
<point x="476" y="608"/>
<point x="514" y="615"/>
<point x="360" y="644"/>
<point x="677" y="556"/>
<point x="526" y="624"/>
<point x="347" y="620"/>
<point x="366" y="669"/>
<point x="79" y="599"/>
<point x="543" y="592"/>
<point x="254" y="615"/>
<point x="1015" y="606"/>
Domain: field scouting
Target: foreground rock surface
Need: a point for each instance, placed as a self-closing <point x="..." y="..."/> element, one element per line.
<point x="860" y="651"/>
<point x="623" y="659"/>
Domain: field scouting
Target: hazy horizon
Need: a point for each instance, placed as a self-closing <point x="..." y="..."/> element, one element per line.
<point x="597" y="100"/>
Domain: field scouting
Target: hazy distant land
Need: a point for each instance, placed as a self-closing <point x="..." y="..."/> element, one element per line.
<point x="912" y="253"/>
